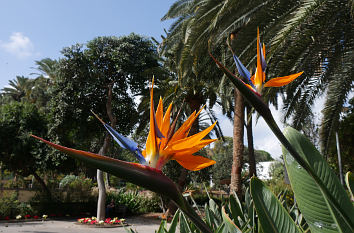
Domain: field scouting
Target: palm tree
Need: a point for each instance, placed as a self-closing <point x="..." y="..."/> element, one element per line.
<point x="319" y="39"/>
<point x="19" y="88"/>
<point x="47" y="67"/>
<point x="313" y="35"/>
<point x="188" y="37"/>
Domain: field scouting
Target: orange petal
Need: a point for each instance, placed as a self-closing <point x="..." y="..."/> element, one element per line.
<point x="194" y="162"/>
<point x="166" y="126"/>
<point x="188" y="149"/>
<point x="184" y="128"/>
<point x="192" y="140"/>
<point x="166" y="121"/>
<point x="258" y="80"/>
<point x="252" y="79"/>
<point x="282" y="81"/>
<point x="159" y="114"/>
<point x="264" y="52"/>
<point x="151" y="142"/>
<point x="264" y="59"/>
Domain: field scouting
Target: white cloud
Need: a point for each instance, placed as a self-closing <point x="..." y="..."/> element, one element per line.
<point x="18" y="45"/>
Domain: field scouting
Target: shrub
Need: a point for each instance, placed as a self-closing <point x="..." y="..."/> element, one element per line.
<point x="135" y="203"/>
<point x="10" y="206"/>
<point x="77" y="188"/>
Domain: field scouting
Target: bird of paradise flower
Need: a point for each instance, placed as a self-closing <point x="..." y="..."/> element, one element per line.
<point x="163" y="144"/>
<point x="256" y="82"/>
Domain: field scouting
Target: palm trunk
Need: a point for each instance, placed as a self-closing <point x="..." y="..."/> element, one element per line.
<point x="251" y="157"/>
<point x="236" y="182"/>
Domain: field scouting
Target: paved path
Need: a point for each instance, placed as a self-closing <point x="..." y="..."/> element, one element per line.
<point x="142" y="225"/>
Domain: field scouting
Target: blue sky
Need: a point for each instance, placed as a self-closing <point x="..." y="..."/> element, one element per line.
<point x="36" y="29"/>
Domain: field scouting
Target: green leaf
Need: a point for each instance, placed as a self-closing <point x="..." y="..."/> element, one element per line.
<point x="162" y="228"/>
<point x="174" y="222"/>
<point x="349" y="181"/>
<point x="229" y="223"/>
<point x="220" y="228"/>
<point x="236" y="209"/>
<point x="319" y="214"/>
<point x="272" y="215"/>
<point x="183" y="224"/>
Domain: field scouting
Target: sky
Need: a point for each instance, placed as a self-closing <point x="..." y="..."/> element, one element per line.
<point x="37" y="29"/>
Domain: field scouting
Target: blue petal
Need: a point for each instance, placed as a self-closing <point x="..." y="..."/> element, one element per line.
<point x="242" y="70"/>
<point x="126" y="143"/>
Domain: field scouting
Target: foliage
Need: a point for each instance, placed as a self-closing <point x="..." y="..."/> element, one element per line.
<point x="222" y="153"/>
<point x="135" y="203"/>
<point x="19" y="152"/>
<point x="346" y="141"/>
<point x="76" y="188"/>
<point x="277" y="182"/>
<point x="81" y="85"/>
<point x="10" y="206"/>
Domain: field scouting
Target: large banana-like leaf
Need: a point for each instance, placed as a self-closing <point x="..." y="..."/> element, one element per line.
<point x="273" y="217"/>
<point x="320" y="215"/>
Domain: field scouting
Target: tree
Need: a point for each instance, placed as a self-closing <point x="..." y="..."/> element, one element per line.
<point x="19" y="89"/>
<point x="346" y="136"/>
<point x="20" y="153"/>
<point x="222" y="153"/>
<point x="196" y="24"/>
<point x="102" y="77"/>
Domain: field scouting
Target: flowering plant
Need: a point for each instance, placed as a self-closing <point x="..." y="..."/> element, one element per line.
<point x="108" y="221"/>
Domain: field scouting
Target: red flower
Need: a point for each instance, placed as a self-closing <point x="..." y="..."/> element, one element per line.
<point x="35" y="217"/>
<point x="27" y="216"/>
<point x="7" y="218"/>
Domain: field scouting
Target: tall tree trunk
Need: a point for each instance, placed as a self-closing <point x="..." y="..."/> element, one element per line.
<point x="236" y="183"/>
<point x="251" y="157"/>
<point x="101" y="203"/>
<point x="43" y="185"/>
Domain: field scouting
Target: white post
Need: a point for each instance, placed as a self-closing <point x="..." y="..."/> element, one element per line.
<point x="339" y="160"/>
